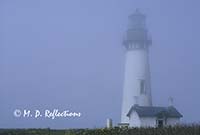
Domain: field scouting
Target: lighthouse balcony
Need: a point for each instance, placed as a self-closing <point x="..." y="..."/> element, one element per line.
<point x="136" y="44"/>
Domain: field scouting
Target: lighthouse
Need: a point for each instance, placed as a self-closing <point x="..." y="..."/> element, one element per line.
<point x="137" y="108"/>
<point x="137" y="84"/>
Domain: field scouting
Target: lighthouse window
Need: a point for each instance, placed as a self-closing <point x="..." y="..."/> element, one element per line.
<point x="142" y="87"/>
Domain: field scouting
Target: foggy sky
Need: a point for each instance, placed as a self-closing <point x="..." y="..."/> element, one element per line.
<point x="68" y="54"/>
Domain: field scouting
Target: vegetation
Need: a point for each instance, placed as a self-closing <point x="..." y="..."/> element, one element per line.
<point x="177" y="130"/>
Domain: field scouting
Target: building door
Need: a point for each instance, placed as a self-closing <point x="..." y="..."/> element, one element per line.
<point x="160" y="123"/>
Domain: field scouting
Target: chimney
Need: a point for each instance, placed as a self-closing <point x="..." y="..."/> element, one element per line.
<point x="136" y="100"/>
<point x="170" y="100"/>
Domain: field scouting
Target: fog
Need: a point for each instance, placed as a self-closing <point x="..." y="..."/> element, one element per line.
<point x="68" y="55"/>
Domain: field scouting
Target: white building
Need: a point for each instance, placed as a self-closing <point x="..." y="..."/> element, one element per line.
<point x="137" y="99"/>
<point x="149" y="116"/>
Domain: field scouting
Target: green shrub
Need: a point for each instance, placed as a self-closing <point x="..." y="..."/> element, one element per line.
<point x="176" y="130"/>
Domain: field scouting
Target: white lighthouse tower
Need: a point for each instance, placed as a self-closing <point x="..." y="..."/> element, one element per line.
<point x="137" y="109"/>
<point x="137" y="85"/>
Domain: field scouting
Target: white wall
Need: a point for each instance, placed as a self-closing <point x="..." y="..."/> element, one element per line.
<point x="173" y="121"/>
<point x="134" y="120"/>
<point x="148" y="122"/>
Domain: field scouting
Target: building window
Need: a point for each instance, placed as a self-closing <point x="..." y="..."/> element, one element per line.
<point x="142" y="87"/>
<point x="160" y="123"/>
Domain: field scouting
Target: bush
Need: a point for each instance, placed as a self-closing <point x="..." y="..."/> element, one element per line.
<point x="176" y="130"/>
